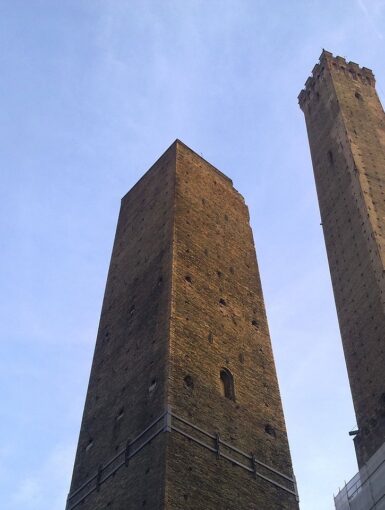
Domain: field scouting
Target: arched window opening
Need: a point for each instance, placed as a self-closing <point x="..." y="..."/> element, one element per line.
<point x="227" y="381"/>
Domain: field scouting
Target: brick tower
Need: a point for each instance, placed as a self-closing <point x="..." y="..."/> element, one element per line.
<point x="183" y="408"/>
<point x="346" y="128"/>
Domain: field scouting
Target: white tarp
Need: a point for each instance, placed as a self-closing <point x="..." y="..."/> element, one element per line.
<point x="366" y="490"/>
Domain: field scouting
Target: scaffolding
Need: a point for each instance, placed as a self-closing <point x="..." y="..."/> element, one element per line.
<point x="366" y="490"/>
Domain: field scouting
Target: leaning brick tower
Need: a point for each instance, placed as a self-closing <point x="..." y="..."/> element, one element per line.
<point x="183" y="408"/>
<point x="346" y="128"/>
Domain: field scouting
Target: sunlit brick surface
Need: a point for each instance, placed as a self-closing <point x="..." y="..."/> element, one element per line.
<point x="183" y="301"/>
<point x="346" y="128"/>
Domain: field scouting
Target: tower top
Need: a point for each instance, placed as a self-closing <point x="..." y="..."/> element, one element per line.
<point x="328" y="62"/>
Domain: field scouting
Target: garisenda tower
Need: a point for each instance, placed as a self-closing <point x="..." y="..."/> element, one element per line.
<point x="183" y="409"/>
<point x="346" y="129"/>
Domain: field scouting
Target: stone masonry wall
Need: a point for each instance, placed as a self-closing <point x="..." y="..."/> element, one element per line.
<point x="346" y="129"/>
<point x="218" y="321"/>
<point x="127" y="388"/>
<point x="183" y="302"/>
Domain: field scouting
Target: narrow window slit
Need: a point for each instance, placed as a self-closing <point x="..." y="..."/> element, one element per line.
<point x="227" y="381"/>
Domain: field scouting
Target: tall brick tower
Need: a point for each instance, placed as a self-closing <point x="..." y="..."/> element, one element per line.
<point x="183" y="408"/>
<point x="346" y="128"/>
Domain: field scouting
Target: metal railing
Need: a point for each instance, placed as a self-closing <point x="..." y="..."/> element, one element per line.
<point x="169" y="422"/>
<point x="121" y="459"/>
<point x="221" y="448"/>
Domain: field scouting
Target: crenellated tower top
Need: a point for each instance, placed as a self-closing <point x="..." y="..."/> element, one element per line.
<point x="329" y="63"/>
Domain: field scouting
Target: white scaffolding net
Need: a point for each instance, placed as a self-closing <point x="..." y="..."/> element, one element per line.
<point x="366" y="490"/>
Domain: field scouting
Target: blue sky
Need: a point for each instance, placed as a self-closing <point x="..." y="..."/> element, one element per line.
<point x="92" y="92"/>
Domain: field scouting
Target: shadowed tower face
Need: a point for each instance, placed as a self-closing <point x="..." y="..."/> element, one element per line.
<point x="346" y="128"/>
<point x="183" y="407"/>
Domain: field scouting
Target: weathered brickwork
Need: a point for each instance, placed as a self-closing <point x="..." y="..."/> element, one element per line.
<point x="127" y="388"/>
<point x="183" y="310"/>
<point x="346" y="128"/>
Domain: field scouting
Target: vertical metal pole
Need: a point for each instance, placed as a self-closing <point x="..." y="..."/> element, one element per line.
<point x="167" y="420"/>
<point x="99" y="478"/>
<point x="347" y="495"/>
<point x="295" y="488"/>
<point x="368" y="475"/>
<point x="127" y="453"/>
<point x="218" y="445"/>
<point x="254" y="464"/>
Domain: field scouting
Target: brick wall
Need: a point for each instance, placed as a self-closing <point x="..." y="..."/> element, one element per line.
<point x="219" y="321"/>
<point x="184" y="302"/>
<point x="346" y="129"/>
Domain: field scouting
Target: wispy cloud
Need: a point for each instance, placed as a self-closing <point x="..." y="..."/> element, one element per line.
<point x="48" y="483"/>
<point x="373" y="9"/>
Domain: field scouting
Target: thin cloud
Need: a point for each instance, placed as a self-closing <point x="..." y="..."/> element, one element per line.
<point x="372" y="10"/>
<point x="49" y="483"/>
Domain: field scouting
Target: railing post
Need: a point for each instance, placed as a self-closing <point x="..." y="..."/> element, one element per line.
<point x="218" y="444"/>
<point x="127" y="453"/>
<point x="295" y="488"/>
<point x="254" y="464"/>
<point x="347" y="495"/>
<point x="368" y="475"/>
<point x="167" y="420"/>
<point x="99" y="478"/>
